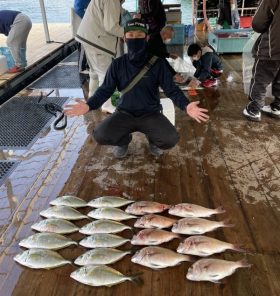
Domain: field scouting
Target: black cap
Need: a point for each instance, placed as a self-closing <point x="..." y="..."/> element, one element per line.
<point x="136" y="25"/>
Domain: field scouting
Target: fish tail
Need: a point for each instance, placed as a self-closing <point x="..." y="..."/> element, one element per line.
<point x="135" y="278"/>
<point x="220" y="210"/>
<point x="167" y="207"/>
<point x="227" y="223"/>
<point x="244" y="263"/>
<point x="238" y="248"/>
<point x="189" y="258"/>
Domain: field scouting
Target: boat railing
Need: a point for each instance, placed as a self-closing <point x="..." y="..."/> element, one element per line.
<point x="243" y="11"/>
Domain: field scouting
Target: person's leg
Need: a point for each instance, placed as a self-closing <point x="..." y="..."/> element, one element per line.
<point x="102" y="63"/>
<point x="93" y="77"/>
<point x="115" y="130"/>
<point x="274" y="108"/>
<point x="158" y="129"/>
<point x="263" y="74"/>
<point x="17" y="38"/>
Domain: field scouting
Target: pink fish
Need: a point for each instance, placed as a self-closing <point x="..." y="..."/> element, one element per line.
<point x="213" y="270"/>
<point x="153" y="237"/>
<point x="146" y="207"/>
<point x="203" y="246"/>
<point x="191" y="210"/>
<point x="198" y="226"/>
<point x="154" y="221"/>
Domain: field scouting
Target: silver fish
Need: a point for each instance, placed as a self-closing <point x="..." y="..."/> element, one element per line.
<point x="63" y="212"/>
<point x="152" y="237"/>
<point x="109" y="201"/>
<point x="101" y="276"/>
<point x="50" y="241"/>
<point x="38" y="258"/>
<point x="205" y="246"/>
<point x="191" y="210"/>
<point x="70" y="201"/>
<point x="101" y="256"/>
<point x="103" y="226"/>
<point x="156" y="257"/>
<point x="213" y="270"/>
<point x="146" y="207"/>
<point x="154" y="221"/>
<point x="197" y="225"/>
<point x="59" y="226"/>
<point x="103" y="240"/>
<point x="110" y="213"/>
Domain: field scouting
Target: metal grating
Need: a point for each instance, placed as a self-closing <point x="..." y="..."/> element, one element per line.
<point x="6" y="168"/>
<point x="22" y="120"/>
<point x="61" y="76"/>
<point x="73" y="57"/>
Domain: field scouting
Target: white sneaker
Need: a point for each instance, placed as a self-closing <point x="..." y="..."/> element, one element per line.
<point x="251" y="115"/>
<point x="107" y="107"/>
<point x="271" y="111"/>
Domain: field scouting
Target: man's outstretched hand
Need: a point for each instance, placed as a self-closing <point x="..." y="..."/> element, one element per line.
<point x="199" y="114"/>
<point x="80" y="108"/>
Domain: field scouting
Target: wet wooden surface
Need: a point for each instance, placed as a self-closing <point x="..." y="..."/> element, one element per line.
<point x="228" y="161"/>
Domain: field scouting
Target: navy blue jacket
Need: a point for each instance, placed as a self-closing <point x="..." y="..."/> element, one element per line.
<point x="144" y="97"/>
<point x="80" y="7"/>
<point x="203" y="66"/>
<point x="7" y="18"/>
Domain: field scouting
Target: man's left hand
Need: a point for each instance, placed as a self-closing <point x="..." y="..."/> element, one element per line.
<point x="198" y="114"/>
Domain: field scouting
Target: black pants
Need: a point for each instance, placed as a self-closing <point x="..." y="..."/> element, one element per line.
<point x="117" y="128"/>
<point x="264" y="73"/>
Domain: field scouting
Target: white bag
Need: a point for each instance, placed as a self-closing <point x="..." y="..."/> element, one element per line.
<point x="248" y="63"/>
<point x="183" y="66"/>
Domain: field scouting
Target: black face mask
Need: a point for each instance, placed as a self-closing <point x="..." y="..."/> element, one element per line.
<point x="137" y="50"/>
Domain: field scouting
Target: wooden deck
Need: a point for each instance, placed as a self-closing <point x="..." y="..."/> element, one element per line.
<point x="37" y="48"/>
<point x="228" y="161"/>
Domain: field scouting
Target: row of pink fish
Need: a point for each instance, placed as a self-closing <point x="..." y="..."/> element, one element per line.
<point x="197" y="245"/>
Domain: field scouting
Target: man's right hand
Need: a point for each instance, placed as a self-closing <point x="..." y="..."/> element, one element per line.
<point x="80" y="108"/>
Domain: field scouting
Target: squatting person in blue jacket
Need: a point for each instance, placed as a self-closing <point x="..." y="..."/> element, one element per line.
<point x="208" y="65"/>
<point x="139" y="109"/>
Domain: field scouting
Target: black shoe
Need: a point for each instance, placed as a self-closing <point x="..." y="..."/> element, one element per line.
<point x="155" y="151"/>
<point x="273" y="111"/>
<point x="252" y="115"/>
<point x="120" y="151"/>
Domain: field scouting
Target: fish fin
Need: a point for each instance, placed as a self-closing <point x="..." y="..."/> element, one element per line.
<point x="195" y="232"/>
<point x="220" y="210"/>
<point x="153" y="242"/>
<point x="216" y="281"/>
<point x="244" y="263"/>
<point x="238" y="248"/>
<point x="227" y="223"/>
<point x="203" y="253"/>
<point x="135" y="278"/>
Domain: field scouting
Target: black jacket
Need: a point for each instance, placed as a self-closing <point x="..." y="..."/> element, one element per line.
<point x="144" y="97"/>
<point x="157" y="47"/>
<point x="152" y="11"/>
<point x="267" y="22"/>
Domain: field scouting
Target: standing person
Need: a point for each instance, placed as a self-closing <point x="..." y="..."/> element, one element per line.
<point x="157" y="46"/>
<point x="152" y="11"/>
<point x="99" y="33"/>
<point x="16" y="26"/>
<point x="228" y="13"/>
<point x="139" y="108"/>
<point x="80" y="7"/>
<point x="207" y="63"/>
<point x="266" y="69"/>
